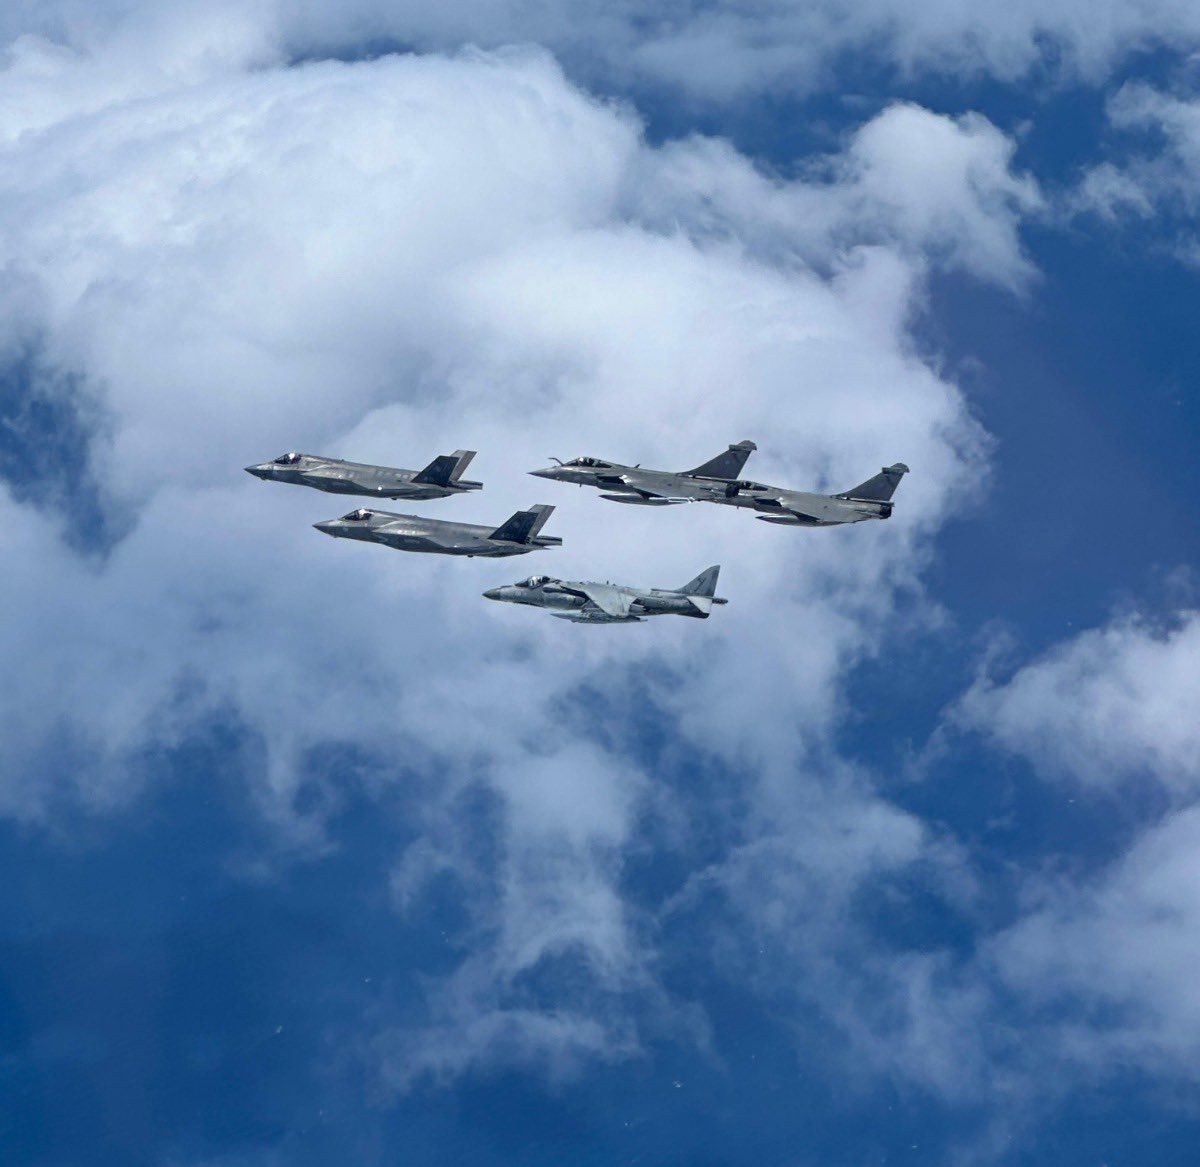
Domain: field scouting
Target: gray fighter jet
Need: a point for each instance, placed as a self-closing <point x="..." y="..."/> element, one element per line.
<point x="442" y="477"/>
<point x="515" y="536"/>
<point x="606" y="603"/>
<point x="717" y="481"/>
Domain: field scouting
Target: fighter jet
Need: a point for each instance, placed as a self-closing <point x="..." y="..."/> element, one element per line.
<point x="655" y="488"/>
<point x="606" y="603"/>
<point x="440" y="478"/>
<point x="717" y="481"/>
<point x="515" y="536"/>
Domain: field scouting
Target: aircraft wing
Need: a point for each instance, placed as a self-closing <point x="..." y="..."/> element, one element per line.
<point x="610" y="600"/>
<point x="638" y="489"/>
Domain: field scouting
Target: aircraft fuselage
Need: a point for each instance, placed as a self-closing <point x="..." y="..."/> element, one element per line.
<point x="335" y="476"/>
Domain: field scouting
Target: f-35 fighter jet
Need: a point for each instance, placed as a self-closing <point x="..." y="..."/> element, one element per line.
<point x="717" y="481"/>
<point x="606" y="603"/>
<point x="442" y="477"/>
<point x="517" y="536"/>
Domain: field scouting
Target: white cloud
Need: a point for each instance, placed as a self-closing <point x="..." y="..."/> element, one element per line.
<point x="392" y="258"/>
<point x="940" y="187"/>
<point x="1114" y="960"/>
<point x="716" y="52"/>
<point x="1113" y="705"/>
<point x="1160" y="175"/>
<point x="1104" y="961"/>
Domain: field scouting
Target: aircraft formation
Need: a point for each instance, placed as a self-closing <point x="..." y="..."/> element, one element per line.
<point x="581" y="601"/>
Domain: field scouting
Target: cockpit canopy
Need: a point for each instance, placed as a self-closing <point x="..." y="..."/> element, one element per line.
<point x="287" y="459"/>
<point x="594" y="463"/>
<point x="534" y="581"/>
<point x="357" y="516"/>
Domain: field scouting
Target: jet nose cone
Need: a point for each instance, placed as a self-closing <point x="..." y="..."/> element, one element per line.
<point x="493" y="594"/>
<point x="329" y="527"/>
<point x="550" y="472"/>
<point x="257" y="471"/>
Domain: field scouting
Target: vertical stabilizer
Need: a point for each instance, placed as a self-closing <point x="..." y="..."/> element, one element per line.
<point x="523" y="526"/>
<point x="727" y="465"/>
<point x="881" y="487"/>
<point x="462" y="459"/>
<point x="705" y="584"/>
<point x="445" y="469"/>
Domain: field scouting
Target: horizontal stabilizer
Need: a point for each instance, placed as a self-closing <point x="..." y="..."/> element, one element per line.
<point x="524" y="525"/>
<point x="445" y="469"/>
<point x="881" y="487"/>
<point x="726" y="465"/>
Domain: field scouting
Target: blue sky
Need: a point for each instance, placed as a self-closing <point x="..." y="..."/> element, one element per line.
<point x="311" y="856"/>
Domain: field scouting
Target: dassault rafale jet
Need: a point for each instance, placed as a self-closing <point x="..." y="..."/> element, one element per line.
<point x="442" y="477"/>
<point x="516" y="536"/>
<point x="606" y="603"/>
<point x="717" y="481"/>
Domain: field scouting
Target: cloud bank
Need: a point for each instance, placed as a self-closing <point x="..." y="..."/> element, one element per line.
<point x="713" y="52"/>
<point x="219" y="257"/>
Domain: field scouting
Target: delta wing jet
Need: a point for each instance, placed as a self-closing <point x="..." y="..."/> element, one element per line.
<point x="516" y="536"/>
<point x="717" y="481"/>
<point x="654" y="488"/>
<point x="797" y="508"/>
<point x="606" y="603"/>
<point x="442" y="477"/>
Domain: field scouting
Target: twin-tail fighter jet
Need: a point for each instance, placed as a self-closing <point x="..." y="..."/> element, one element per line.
<point x="717" y="481"/>
<point x="606" y="603"/>
<point x="441" y="478"/>
<point x="516" y="536"/>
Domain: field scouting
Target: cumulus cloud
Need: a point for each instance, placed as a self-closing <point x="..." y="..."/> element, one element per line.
<point x="1160" y="173"/>
<point x="388" y="259"/>
<point x="1113" y="705"/>
<point x="1110" y="963"/>
<point x="942" y="188"/>
<point x="1103" y="960"/>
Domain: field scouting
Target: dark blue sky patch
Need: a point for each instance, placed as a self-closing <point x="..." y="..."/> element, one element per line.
<point x="1090" y="393"/>
<point x="46" y="426"/>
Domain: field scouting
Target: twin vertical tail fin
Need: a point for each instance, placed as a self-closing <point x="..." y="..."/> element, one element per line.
<point x="881" y="487"/>
<point x="524" y="526"/>
<point x="447" y="469"/>
<point x="727" y="465"/>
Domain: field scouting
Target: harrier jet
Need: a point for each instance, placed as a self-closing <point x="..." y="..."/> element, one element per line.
<point x="606" y="603"/>
<point x="439" y="479"/>
<point x="515" y="536"/>
<point x="717" y="481"/>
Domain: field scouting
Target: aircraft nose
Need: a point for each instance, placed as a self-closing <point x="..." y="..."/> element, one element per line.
<point x="258" y="471"/>
<point x="550" y="472"/>
<point x="329" y="527"/>
<point x="493" y="594"/>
